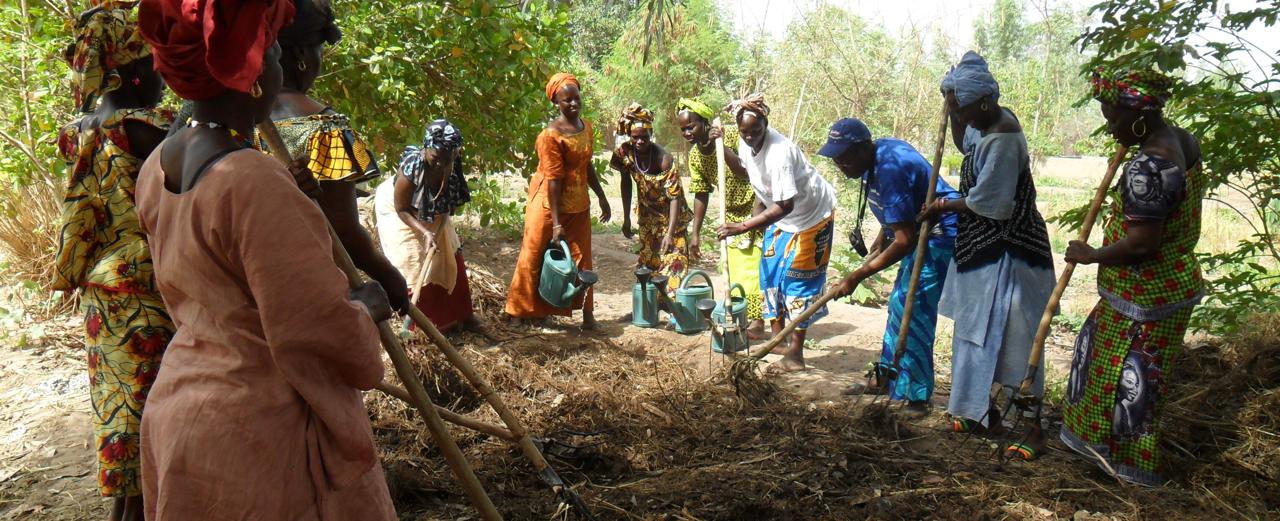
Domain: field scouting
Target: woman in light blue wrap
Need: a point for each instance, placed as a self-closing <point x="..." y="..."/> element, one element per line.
<point x="1002" y="276"/>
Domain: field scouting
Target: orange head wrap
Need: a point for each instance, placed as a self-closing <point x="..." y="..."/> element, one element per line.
<point x="205" y="47"/>
<point x="558" y="80"/>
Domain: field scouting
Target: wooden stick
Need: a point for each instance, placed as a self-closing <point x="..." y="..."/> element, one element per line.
<point x="1050" y="309"/>
<point x="830" y="295"/>
<point x="450" y="416"/>
<point x="391" y="343"/>
<point x="724" y="244"/>
<point x="922" y="245"/>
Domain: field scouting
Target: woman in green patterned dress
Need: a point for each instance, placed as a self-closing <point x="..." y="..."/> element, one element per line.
<point x="102" y="251"/>
<point x="1148" y="280"/>
<point x="695" y="120"/>
<point x="662" y="215"/>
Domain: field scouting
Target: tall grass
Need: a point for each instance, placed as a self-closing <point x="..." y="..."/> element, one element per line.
<point x="30" y="214"/>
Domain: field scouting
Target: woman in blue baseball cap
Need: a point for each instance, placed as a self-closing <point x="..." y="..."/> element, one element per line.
<point x="1002" y="276"/>
<point x="895" y="184"/>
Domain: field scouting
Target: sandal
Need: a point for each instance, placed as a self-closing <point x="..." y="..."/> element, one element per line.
<point x="1022" y="450"/>
<point x="965" y="425"/>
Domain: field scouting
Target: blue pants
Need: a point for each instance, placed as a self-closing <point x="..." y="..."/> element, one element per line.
<point x="915" y="379"/>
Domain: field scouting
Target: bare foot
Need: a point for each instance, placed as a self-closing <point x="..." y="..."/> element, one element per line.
<point x="755" y="330"/>
<point x="786" y="365"/>
<point x="589" y="322"/>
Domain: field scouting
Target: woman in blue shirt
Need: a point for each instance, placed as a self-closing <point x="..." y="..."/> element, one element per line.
<point x="895" y="182"/>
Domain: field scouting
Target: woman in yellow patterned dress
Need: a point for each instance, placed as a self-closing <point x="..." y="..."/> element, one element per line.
<point x="334" y="154"/>
<point x="102" y="251"/>
<point x="660" y="207"/>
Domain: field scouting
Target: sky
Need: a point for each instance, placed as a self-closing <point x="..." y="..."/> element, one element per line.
<point x="751" y="17"/>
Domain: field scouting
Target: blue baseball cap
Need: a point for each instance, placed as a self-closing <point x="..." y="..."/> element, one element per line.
<point x="844" y="133"/>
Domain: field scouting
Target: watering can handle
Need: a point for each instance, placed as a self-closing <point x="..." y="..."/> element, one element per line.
<point x="564" y="247"/>
<point x="684" y="284"/>
<point x="741" y="290"/>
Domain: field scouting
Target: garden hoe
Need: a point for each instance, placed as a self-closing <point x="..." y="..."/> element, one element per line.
<point x="391" y="343"/>
<point x="882" y="376"/>
<point x="514" y="430"/>
<point x="1026" y="401"/>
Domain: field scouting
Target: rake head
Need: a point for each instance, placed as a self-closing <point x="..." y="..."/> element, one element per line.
<point x="747" y="382"/>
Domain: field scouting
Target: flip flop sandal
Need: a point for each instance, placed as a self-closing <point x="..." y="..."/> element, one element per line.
<point x="965" y="425"/>
<point x="1022" y="450"/>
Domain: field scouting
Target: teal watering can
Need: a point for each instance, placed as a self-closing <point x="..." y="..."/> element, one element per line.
<point x="561" y="281"/>
<point x="644" y="298"/>
<point x="730" y="335"/>
<point x="684" y="307"/>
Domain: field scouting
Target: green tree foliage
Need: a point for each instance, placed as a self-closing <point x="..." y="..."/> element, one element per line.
<point x="833" y="64"/>
<point x="596" y="25"/>
<point x="478" y="63"/>
<point x="1234" y="113"/>
<point x="1038" y="65"/>
<point x="699" y="56"/>
<point x="1002" y="35"/>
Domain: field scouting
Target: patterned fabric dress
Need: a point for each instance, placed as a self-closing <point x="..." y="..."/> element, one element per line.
<point x="103" y="252"/>
<point x="1130" y="340"/>
<point x="334" y="151"/>
<point x="744" y="250"/>
<point x="654" y="193"/>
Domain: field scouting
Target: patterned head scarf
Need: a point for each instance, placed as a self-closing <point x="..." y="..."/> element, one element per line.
<point x="971" y="80"/>
<point x="1137" y="90"/>
<point x="633" y="117"/>
<point x="206" y="47"/>
<point x="753" y="103"/>
<point x="696" y="107"/>
<point x="106" y="39"/>
<point x="559" y="80"/>
<point x="440" y="135"/>
<point x="312" y="25"/>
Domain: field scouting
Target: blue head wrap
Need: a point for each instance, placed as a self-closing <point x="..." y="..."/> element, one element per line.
<point x="971" y="80"/>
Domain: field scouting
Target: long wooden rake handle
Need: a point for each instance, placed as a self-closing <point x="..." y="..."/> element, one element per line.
<point x="1051" y="309"/>
<point x="391" y="343"/>
<point x="724" y="244"/>
<point x="922" y="245"/>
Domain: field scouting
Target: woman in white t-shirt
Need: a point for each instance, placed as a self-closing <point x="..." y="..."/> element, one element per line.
<point x="795" y="206"/>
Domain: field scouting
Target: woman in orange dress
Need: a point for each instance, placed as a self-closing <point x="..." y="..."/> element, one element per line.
<point x="558" y="207"/>
<point x="257" y="413"/>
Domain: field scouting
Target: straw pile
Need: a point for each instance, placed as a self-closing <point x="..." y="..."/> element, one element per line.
<point x="642" y="437"/>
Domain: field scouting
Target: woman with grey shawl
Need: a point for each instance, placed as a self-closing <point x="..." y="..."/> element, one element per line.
<point x="414" y="212"/>
<point x="1002" y="276"/>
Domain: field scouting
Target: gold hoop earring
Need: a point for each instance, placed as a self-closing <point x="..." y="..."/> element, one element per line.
<point x="256" y="90"/>
<point x="302" y="65"/>
<point x="1133" y="127"/>
<point x="985" y="107"/>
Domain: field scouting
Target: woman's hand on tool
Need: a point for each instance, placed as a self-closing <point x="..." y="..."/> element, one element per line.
<point x="1080" y="252"/>
<point x="302" y="176"/>
<point x="374" y="299"/>
<point x="730" y="230"/>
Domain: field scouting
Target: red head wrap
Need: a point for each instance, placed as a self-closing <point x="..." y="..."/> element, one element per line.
<point x="558" y="80"/>
<point x="205" y="47"/>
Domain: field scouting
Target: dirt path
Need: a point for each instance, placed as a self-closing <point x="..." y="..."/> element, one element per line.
<point x="47" y="467"/>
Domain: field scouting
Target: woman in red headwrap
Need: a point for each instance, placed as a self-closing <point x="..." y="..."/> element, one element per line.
<point x="257" y="413"/>
<point x="102" y="251"/>
<point x="558" y="207"/>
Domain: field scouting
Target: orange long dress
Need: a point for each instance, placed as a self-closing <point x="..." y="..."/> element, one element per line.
<point x="257" y="411"/>
<point x="563" y="157"/>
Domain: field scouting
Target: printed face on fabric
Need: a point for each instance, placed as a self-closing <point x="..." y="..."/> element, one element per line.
<point x="1080" y="361"/>
<point x="1134" y="398"/>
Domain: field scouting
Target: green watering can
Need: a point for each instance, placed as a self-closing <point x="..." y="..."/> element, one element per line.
<point x="730" y="336"/>
<point x="561" y="281"/>
<point x="685" y="316"/>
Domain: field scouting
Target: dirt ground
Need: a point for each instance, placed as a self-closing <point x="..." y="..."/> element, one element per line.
<point x="640" y="421"/>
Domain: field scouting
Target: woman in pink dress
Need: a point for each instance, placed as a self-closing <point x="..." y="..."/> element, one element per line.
<point x="257" y="412"/>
